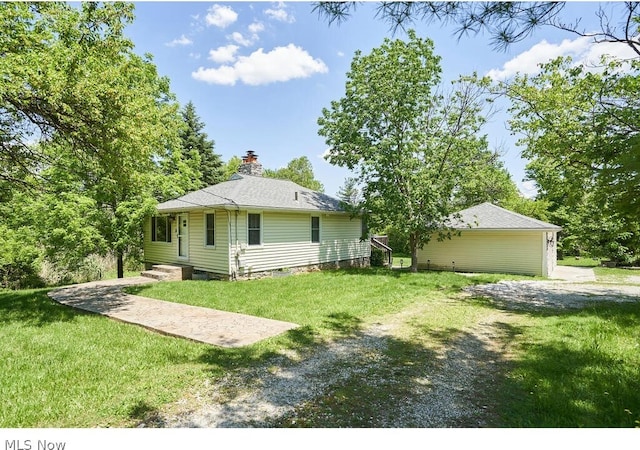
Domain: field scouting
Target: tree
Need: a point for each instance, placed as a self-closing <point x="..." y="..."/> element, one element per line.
<point x="349" y="193"/>
<point x="409" y="145"/>
<point x="505" y="22"/>
<point x="580" y="130"/>
<point x="300" y="171"/>
<point x="197" y="147"/>
<point x="231" y="167"/>
<point x="85" y="118"/>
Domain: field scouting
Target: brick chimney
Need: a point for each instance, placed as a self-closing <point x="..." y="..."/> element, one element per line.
<point x="250" y="165"/>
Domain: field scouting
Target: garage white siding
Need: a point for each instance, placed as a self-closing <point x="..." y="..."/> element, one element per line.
<point x="518" y="252"/>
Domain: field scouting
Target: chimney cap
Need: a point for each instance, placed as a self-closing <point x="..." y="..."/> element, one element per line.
<point x="250" y="157"/>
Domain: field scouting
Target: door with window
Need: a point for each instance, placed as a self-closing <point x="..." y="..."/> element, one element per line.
<point x="183" y="236"/>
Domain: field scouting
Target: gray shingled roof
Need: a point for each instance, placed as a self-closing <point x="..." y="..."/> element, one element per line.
<point x="487" y="216"/>
<point x="247" y="191"/>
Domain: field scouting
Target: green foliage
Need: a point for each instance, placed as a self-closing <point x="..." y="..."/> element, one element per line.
<point x="196" y="147"/>
<point x="19" y="259"/>
<point x="300" y="171"/>
<point x="505" y="23"/>
<point x="231" y="167"/>
<point x="416" y="151"/>
<point x="377" y="257"/>
<point x="580" y="132"/>
<point x="87" y="125"/>
<point x="349" y="193"/>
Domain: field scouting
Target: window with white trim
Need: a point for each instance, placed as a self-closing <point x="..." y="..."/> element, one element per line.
<point x="210" y="229"/>
<point x="254" y="229"/>
<point x="160" y="229"/>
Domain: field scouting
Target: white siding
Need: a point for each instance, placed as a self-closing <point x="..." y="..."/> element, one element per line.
<point x="286" y="241"/>
<point x="159" y="252"/>
<point x="519" y="252"/>
<point x="212" y="259"/>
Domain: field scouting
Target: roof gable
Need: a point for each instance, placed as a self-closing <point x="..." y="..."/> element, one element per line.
<point x="247" y="191"/>
<point x="488" y="216"/>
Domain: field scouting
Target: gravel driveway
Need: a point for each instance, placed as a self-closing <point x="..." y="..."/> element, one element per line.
<point x="447" y="393"/>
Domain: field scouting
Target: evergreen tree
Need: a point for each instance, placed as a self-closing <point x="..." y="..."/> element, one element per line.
<point x="196" y="142"/>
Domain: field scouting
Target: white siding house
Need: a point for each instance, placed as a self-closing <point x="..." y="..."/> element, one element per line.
<point x="493" y="239"/>
<point x="252" y="224"/>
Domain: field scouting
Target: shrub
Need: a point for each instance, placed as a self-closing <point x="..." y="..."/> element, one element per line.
<point x="19" y="259"/>
<point x="377" y="257"/>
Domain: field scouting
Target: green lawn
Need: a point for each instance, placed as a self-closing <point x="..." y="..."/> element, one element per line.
<point x="575" y="369"/>
<point x="65" y="368"/>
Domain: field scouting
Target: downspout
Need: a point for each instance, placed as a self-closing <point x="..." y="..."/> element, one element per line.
<point x="231" y="270"/>
<point x="237" y="250"/>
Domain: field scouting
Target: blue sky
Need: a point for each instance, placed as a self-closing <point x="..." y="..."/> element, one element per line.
<point x="259" y="73"/>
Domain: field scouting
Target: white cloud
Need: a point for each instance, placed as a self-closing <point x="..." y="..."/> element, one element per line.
<point x="279" y="65"/>
<point x="582" y="49"/>
<point x="280" y="14"/>
<point x="221" y="16"/>
<point x="224" y="54"/>
<point x="182" y="40"/>
<point x="340" y="53"/>
<point x="256" y="27"/>
<point x="528" y="188"/>
<point x="238" y="38"/>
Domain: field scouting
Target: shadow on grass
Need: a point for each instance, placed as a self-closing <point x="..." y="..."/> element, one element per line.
<point x="577" y="371"/>
<point x="33" y="307"/>
<point x="396" y="382"/>
<point x="304" y="339"/>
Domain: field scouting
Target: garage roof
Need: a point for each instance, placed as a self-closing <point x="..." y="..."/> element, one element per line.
<point x="488" y="216"/>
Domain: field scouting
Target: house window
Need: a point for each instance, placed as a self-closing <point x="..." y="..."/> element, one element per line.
<point x="253" y="229"/>
<point x="210" y="229"/>
<point x="160" y="229"/>
<point x="315" y="229"/>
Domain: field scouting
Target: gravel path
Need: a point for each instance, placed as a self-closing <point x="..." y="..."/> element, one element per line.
<point x="443" y="395"/>
<point x="545" y="294"/>
<point x="450" y="389"/>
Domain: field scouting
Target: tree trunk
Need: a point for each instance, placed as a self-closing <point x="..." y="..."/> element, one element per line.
<point x="120" y="264"/>
<point x="413" y="244"/>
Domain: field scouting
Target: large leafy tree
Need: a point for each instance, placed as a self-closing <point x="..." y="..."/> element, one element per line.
<point x="409" y="145"/>
<point x="197" y="147"/>
<point x="299" y="170"/>
<point x="581" y="131"/>
<point x="85" y="119"/>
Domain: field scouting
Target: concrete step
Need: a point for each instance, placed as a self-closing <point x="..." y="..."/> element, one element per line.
<point x="167" y="268"/>
<point x="156" y="275"/>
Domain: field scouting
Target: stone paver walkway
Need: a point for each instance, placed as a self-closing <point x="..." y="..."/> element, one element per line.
<point x="206" y="325"/>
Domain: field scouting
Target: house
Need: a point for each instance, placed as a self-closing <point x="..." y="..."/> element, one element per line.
<point x="250" y="224"/>
<point x="493" y="239"/>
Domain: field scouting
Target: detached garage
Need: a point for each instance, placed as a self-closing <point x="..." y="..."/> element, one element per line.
<point x="493" y="239"/>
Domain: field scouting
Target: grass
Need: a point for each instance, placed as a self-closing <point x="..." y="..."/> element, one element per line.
<point x="579" y="262"/>
<point x="327" y="304"/>
<point x="575" y="369"/>
<point x="65" y="368"/>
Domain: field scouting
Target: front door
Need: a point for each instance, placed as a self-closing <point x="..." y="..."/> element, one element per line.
<point x="183" y="236"/>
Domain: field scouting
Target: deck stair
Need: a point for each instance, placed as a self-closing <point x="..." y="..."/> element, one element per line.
<point x="167" y="272"/>
<point x="381" y="242"/>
